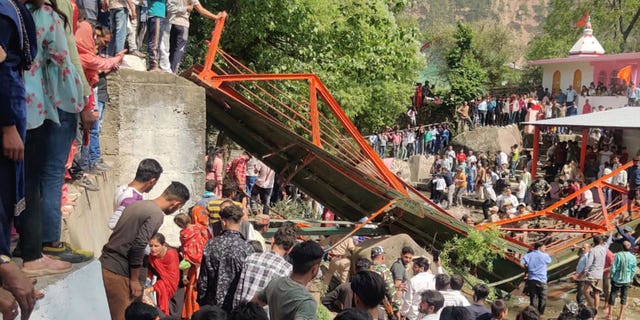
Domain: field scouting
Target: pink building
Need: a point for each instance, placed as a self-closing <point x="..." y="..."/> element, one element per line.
<point x="587" y="63"/>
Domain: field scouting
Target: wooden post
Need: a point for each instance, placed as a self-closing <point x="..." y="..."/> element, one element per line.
<point x="583" y="148"/>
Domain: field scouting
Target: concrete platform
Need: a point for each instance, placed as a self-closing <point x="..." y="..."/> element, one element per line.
<point x="76" y="295"/>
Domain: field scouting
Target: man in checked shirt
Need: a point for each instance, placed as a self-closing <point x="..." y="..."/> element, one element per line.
<point x="261" y="268"/>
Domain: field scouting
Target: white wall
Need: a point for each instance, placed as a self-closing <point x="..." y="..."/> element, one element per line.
<point x="566" y="74"/>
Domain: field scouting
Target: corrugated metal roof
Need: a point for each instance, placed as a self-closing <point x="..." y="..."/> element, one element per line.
<point x="623" y="118"/>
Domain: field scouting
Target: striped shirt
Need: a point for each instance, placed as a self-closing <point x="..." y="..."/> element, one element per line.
<point x="259" y="270"/>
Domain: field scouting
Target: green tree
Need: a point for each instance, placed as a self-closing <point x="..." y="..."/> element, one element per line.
<point x="365" y="55"/>
<point x="478" y="248"/>
<point x="467" y="78"/>
<point x="615" y="24"/>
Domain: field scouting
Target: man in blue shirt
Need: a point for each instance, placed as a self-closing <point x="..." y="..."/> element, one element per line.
<point x="627" y="235"/>
<point x="536" y="262"/>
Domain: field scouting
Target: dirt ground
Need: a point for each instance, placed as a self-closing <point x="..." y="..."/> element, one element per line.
<point x="560" y="292"/>
<point x="563" y="291"/>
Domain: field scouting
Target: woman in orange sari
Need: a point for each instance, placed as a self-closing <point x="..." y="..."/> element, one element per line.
<point x="164" y="264"/>
<point x="192" y="239"/>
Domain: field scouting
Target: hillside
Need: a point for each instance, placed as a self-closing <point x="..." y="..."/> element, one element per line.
<point x="525" y="18"/>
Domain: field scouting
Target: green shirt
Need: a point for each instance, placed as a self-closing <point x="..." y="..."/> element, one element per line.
<point x="623" y="268"/>
<point x="288" y="300"/>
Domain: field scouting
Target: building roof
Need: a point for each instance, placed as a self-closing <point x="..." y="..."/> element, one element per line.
<point x="587" y="44"/>
<point x="620" y="118"/>
<point x="603" y="58"/>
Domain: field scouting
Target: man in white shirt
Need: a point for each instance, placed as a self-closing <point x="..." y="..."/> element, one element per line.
<point x="263" y="187"/>
<point x="453" y="298"/>
<point x="471" y="158"/>
<point x="506" y="196"/>
<point x="422" y="280"/>
<point x="431" y="304"/>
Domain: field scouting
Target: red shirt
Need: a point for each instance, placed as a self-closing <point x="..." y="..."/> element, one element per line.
<point x="238" y="170"/>
<point x="586" y="108"/>
<point x="461" y="157"/>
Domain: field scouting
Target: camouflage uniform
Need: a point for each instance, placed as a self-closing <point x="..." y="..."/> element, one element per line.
<point x="539" y="190"/>
<point x="391" y="294"/>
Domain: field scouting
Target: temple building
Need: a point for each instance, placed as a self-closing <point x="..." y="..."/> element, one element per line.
<point x="588" y="65"/>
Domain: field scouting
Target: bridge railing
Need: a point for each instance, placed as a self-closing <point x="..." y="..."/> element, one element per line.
<point x="560" y="231"/>
<point x="299" y="102"/>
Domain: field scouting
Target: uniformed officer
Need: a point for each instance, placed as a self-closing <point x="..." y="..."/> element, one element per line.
<point x="539" y="190"/>
<point x="392" y="300"/>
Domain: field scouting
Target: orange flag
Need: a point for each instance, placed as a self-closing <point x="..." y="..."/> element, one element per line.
<point x="583" y="20"/>
<point x="625" y="74"/>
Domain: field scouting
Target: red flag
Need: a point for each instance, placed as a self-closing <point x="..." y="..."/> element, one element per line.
<point x="583" y="20"/>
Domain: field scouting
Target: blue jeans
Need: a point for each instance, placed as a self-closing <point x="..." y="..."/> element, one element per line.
<point x="155" y="27"/>
<point x="118" y="21"/>
<point x="94" y="142"/>
<point x="251" y="180"/>
<point x="91" y="154"/>
<point x="46" y="151"/>
<point x="383" y="151"/>
<point x="178" y="45"/>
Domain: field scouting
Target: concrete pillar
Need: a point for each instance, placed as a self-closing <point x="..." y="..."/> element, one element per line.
<point x="160" y="116"/>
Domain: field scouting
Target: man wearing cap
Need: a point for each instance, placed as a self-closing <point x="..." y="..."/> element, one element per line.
<point x="536" y="262"/>
<point x="506" y="197"/>
<point x="633" y="178"/>
<point x="627" y="235"/>
<point x="260" y="226"/>
<point x="392" y="301"/>
<point x="287" y="297"/>
<point x="539" y="190"/>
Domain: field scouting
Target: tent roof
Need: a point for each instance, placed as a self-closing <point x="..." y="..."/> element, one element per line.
<point x="623" y="118"/>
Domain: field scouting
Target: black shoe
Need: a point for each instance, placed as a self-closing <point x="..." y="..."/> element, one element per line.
<point x="66" y="252"/>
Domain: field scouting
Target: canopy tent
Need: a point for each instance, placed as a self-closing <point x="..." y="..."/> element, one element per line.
<point x="619" y="118"/>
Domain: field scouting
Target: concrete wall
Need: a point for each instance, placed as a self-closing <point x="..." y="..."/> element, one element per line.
<point x="161" y="116"/>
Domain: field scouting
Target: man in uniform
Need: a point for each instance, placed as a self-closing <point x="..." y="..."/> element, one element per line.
<point x="539" y="190"/>
<point x="340" y="260"/>
<point x="391" y="302"/>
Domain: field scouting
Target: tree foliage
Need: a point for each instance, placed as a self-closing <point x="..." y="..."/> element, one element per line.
<point x="361" y="51"/>
<point x="465" y="254"/>
<point x="615" y="22"/>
